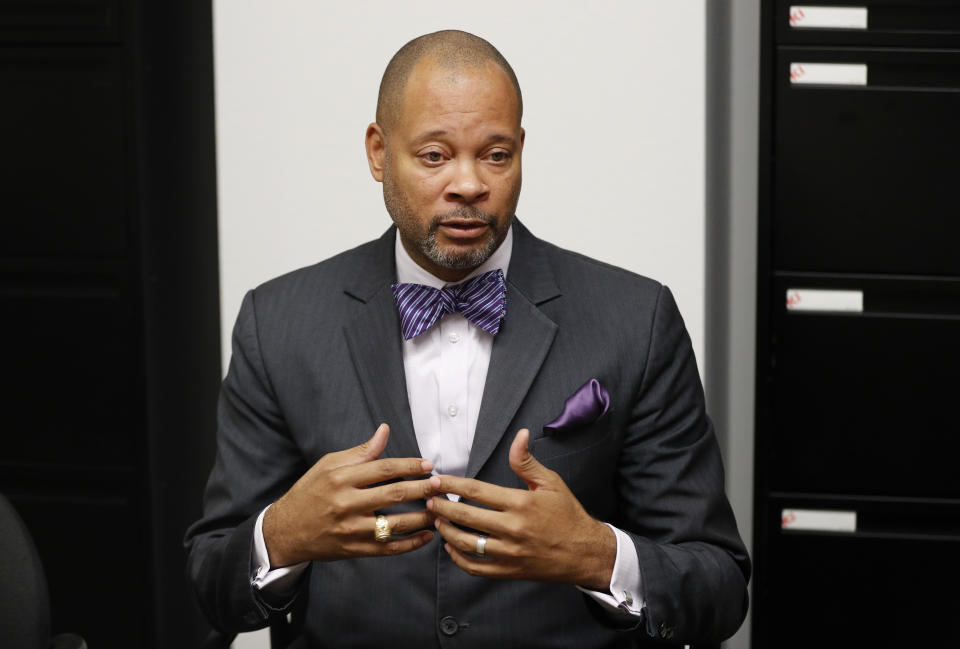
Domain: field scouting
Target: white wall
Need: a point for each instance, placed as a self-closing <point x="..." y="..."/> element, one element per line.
<point x="613" y="95"/>
<point x="614" y="114"/>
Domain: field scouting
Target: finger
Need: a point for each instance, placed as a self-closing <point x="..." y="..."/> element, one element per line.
<point x="468" y="515"/>
<point x="477" y="567"/>
<point x="476" y="490"/>
<point x="463" y="540"/>
<point x="395" y="493"/>
<point x="527" y="467"/>
<point x="400" y="524"/>
<point x="411" y="522"/>
<point x="391" y="468"/>
<point x="373" y="548"/>
<point x="373" y="447"/>
<point x="369" y="450"/>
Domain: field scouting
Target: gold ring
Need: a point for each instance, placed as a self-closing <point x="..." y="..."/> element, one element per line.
<point x="381" y="529"/>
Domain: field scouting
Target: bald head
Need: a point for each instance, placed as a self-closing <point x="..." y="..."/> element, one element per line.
<point x="450" y="49"/>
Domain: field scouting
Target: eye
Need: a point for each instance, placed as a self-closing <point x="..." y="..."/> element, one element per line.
<point x="499" y="156"/>
<point x="432" y="157"/>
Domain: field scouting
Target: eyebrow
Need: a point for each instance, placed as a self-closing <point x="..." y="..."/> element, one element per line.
<point x="439" y="132"/>
<point x="429" y="135"/>
<point x="500" y="137"/>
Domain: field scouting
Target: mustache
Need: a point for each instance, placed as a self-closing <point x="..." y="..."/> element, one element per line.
<point x="467" y="212"/>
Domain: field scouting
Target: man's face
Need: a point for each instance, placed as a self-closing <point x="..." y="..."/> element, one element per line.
<point x="450" y="166"/>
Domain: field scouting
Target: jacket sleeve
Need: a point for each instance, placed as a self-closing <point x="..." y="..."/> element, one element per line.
<point x="256" y="463"/>
<point x="694" y="566"/>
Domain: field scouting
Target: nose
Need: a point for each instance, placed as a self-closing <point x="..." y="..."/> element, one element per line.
<point x="467" y="185"/>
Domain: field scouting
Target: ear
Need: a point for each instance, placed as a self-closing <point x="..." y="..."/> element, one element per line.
<point x="376" y="143"/>
<point x="523" y="135"/>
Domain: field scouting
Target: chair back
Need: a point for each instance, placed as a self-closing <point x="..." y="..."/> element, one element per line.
<point x="24" y="599"/>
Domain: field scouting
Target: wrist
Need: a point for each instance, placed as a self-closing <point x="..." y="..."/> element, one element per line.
<point x="602" y="557"/>
<point x="273" y="537"/>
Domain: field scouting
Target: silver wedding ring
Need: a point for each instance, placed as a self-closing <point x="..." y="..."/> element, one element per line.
<point x="481" y="545"/>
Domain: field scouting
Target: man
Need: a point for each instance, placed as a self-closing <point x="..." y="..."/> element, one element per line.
<point x="576" y="496"/>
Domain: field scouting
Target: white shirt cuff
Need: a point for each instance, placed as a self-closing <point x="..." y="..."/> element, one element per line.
<point x="280" y="582"/>
<point x="626" y="593"/>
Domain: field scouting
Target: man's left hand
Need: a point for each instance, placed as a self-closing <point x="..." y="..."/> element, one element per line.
<point x="541" y="533"/>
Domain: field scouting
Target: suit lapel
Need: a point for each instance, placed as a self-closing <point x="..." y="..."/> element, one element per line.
<point x="373" y="338"/>
<point x="520" y="348"/>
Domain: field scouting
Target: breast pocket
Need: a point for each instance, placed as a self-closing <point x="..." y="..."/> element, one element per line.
<point x="566" y="442"/>
<point x="584" y="458"/>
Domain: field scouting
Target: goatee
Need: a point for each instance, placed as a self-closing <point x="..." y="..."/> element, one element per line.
<point x="468" y="258"/>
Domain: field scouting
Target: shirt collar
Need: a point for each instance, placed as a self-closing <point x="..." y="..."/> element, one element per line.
<point x="410" y="272"/>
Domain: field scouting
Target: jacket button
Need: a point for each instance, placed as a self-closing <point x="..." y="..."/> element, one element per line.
<point x="449" y="626"/>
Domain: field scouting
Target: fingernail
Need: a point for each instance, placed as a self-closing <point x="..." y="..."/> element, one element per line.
<point x="446" y="546"/>
<point x="436" y="524"/>
<point x="435" y="481"/>
<point x="430" y="504"/>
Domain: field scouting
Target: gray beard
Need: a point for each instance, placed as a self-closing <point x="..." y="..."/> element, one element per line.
<point x="400" y="213"/>
<point x="460" y="261"/>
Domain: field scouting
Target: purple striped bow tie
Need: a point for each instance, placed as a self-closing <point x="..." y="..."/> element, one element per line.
<point x="482" y="301"/>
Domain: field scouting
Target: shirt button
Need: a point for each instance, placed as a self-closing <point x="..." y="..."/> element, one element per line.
<point x="454" y="337"/>
<point x="452" y="410"/>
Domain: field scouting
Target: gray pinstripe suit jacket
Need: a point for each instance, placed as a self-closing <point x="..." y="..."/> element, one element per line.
<point x="317" y="364"/>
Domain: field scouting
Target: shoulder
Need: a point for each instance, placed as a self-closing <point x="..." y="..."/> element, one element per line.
<point x="568" y="261"/>
<point x="323" y="294"/>
<point x="323" y="278"/>
<point x="589" y="279"/>
<point x="592" y="297"/>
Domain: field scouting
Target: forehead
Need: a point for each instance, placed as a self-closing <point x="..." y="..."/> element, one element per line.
<point x="437" y="95"/>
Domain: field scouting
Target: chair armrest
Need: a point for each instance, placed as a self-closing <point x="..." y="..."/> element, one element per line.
<point x="67" y="641"/>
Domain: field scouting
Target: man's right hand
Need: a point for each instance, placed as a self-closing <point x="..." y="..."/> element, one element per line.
<point x="328" y="514"/>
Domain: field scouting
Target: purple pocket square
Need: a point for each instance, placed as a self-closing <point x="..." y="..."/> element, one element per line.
<point x="590" y="402"/>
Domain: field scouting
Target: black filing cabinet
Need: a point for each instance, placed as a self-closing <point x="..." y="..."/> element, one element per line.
<point x="857" y="500"/>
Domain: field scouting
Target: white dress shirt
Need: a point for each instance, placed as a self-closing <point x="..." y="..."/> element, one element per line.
<point x="446" y="369"/>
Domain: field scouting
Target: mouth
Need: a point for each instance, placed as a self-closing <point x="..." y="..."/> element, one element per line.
<point x="463" y="229"/>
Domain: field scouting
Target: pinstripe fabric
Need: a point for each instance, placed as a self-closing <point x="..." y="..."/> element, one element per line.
<point x="482" y="301"/>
